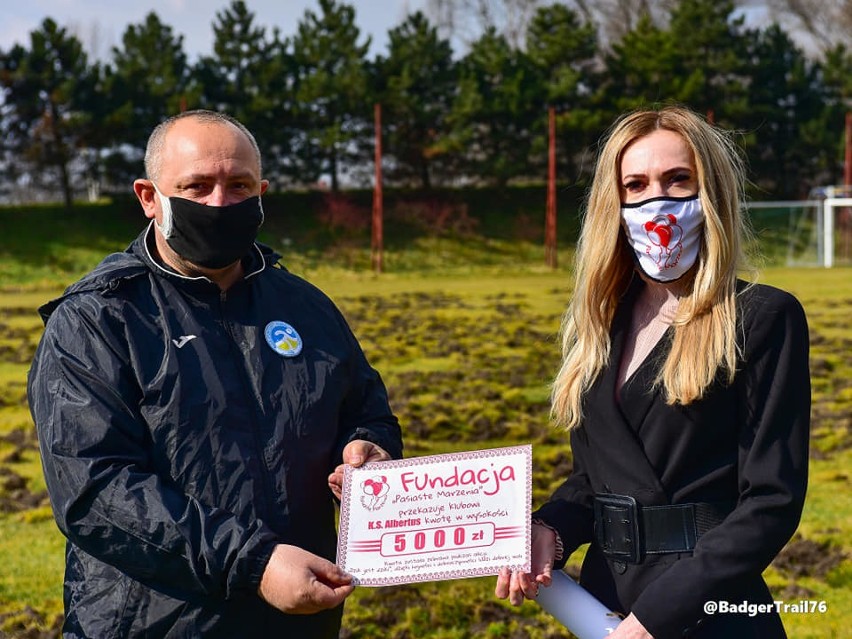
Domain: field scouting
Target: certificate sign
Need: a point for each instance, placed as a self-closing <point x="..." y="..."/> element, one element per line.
<point x="436" y="517"/>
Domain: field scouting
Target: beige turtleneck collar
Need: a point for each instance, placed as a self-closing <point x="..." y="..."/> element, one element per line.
<point x="652" y="313"/>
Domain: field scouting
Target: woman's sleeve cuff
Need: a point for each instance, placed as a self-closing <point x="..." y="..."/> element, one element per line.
<point x="560" y="549"/>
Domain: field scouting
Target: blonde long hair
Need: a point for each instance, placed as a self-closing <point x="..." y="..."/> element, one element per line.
<point x="704" y="341"/>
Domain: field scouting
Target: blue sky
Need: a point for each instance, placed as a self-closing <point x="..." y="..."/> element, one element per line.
<point x="99" y="24"/>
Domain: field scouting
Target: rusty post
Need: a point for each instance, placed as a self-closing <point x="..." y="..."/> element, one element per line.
<point x="847" y="169"/>
<point x="377" y="240"/>
<point x="550" y="217"/>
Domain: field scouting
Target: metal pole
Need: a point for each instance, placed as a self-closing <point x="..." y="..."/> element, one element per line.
<point x="377" y="240"/>
<point x="550" y="216"/>
<point x="828" y="232"/>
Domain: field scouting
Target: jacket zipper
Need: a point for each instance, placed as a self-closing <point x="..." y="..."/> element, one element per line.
<point x="266" y="476"/>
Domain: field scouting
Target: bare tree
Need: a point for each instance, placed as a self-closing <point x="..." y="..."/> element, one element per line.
<point x="466" y="20"/>
<point x="827" y="22"/>
<point x="617" y="17"/>
<point x="817" y="24"/>
<point x="96" y="39"/>
<point x="518" y="14"/>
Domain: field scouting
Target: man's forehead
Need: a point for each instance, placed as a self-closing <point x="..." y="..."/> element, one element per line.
<point x="199" y="147"/>
<point x="195" y="132"/>
<point x="191" y="123"/>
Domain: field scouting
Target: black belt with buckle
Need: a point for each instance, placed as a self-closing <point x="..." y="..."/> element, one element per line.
<point x="627" y="531"/>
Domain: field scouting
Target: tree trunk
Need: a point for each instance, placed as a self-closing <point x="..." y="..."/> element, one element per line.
<point x="335" y="185"/>
<point x="68" y="196"/>
<point x="61" y="155"/>
<point x="425" y="178"/>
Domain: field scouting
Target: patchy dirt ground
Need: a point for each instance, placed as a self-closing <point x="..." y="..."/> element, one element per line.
<point x="807" y="558"/>
<point x="469" y="375"/>
<point x="29" y="624"/>
<point x="16" y="494"/>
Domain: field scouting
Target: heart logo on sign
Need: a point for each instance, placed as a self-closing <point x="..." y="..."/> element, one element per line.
<point x="375" y="491"/>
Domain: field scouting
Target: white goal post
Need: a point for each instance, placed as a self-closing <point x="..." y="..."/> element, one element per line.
<point x="812" y="226"/>
<point x="829" y="209"/>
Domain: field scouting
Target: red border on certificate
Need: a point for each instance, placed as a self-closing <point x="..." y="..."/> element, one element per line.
<point x="436" y="517"/>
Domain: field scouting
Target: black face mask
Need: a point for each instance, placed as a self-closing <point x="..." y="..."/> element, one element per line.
<point x="210" y="236"/>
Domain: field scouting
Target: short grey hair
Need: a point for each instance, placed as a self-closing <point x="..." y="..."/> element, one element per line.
<point x="154" y="149"/>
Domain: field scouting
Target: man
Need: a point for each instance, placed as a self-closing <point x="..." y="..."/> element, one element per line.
<point x="194" y="406"/>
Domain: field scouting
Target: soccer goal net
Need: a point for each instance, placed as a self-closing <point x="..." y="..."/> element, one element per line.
<point x="812" y="232"/>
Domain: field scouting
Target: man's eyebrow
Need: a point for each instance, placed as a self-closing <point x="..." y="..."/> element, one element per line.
<point x="203" y="177"/>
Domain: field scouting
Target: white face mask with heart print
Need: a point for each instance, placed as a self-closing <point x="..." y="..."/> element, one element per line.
<point x="665" y="233"/>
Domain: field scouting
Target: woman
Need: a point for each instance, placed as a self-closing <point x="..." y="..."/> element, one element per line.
<point x="686" y="392"/>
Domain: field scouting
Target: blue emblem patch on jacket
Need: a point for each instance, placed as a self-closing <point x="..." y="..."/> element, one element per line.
<point x="283" y="339"/>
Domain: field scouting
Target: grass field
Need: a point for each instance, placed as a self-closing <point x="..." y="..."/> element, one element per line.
<point x="464" y="332"/>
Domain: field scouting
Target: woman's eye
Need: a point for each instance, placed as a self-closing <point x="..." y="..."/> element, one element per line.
<point x="681" y="177"/>
<point x="633" y="185"/>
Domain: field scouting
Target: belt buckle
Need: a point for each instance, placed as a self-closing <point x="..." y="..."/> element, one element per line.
<point x="617" y="527"/>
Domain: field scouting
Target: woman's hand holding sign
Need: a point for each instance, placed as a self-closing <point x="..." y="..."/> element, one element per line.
<point x="517" y="585"/>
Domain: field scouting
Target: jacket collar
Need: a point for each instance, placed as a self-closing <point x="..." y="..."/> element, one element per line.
<point x="137" y="260"/>
<point x="254" y="263"/>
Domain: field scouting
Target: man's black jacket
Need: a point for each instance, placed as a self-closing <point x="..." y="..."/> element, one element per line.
<point x="180" y="445"/>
